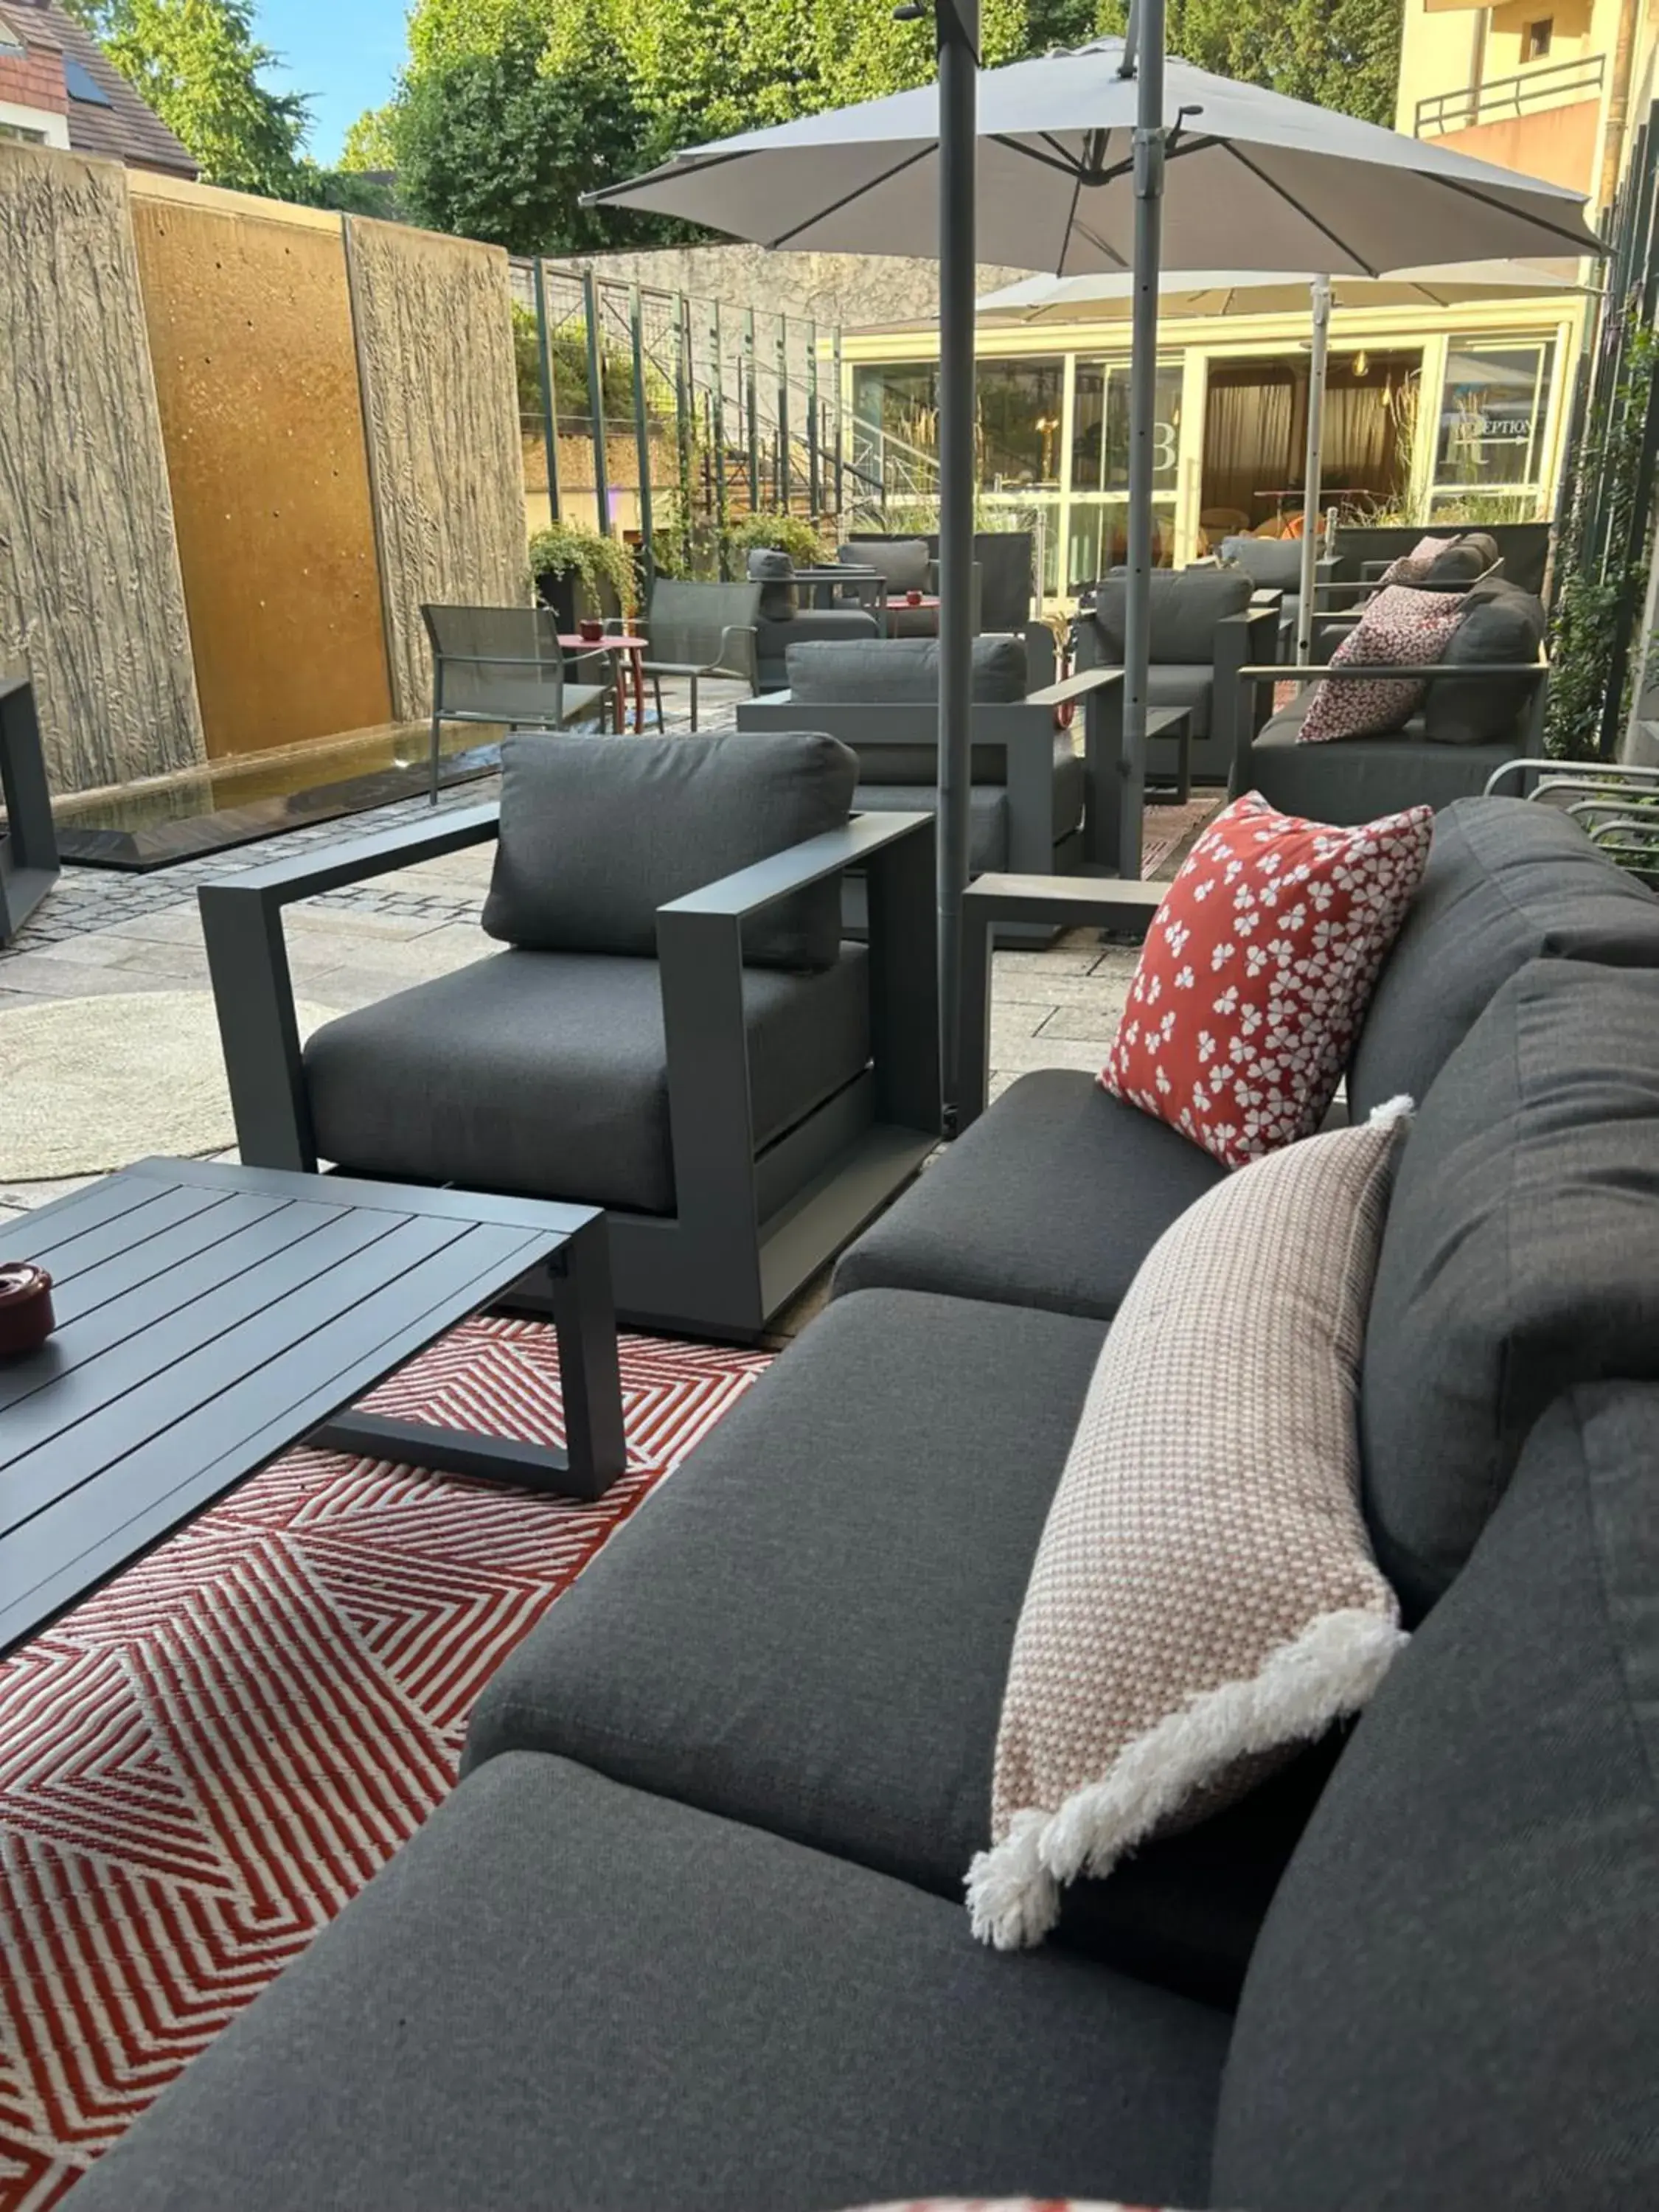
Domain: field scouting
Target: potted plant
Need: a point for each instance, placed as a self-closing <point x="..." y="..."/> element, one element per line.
<point x="578" y="571"/>
<point x="803" y="541"/>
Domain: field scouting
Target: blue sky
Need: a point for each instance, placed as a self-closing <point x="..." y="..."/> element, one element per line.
<point x="343" y="53"/>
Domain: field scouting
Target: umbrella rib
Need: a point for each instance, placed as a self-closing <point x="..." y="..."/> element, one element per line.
<point x="1575" y="238"/>
<point x="1071" y="218"/>
<point x="870" y="185"/>
<point x="694" y="166"/>
<point x="1290" y="201"/>
<point x="1062" y="162"/>
<point x="1100" y="244"/>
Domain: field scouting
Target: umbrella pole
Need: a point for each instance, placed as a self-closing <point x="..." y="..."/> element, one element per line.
<point x="1145" y="54"/>
<point x="958" y="27"/>
<point x="1313" y="467"/>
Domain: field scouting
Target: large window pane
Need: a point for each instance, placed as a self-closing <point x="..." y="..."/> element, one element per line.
<point x="1100" y="430"/>
<point x="1097" y="540"/>
<point x="1494" y="408"/>
<point x="1019" y="408"/>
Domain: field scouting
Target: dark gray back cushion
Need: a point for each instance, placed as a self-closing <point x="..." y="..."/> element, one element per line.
<point x="1506" y="882"/>
<point x="597" y="833"/>
<point x="1463" y="560"/>
<point x="902" y="561"/>
<point x="886" y="671"/>
<point x="1186" y="605"/>
<point x="1272" y="563"/>
<point x="773" y="572"/>
<point x="1454" y="2002"/>
<point x="1498" y="623"/>
<point x="1519" y="1257"/>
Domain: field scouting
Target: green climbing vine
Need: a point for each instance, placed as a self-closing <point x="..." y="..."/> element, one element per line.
<point x="1596" y="599"/>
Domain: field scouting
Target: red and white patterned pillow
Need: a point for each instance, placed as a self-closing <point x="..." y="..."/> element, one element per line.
<point x="1413" y="568"/>
<point x="1398" y="628"/>
<point x="1257" y="971"/>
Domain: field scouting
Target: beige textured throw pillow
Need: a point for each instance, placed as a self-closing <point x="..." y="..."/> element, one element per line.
<point x="1204" y="1597"/>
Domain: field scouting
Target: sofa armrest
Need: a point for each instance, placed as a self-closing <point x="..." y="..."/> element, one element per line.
<point x="1112" y="902"/>
<point x="1077" y="686"/>
<point x="253" y="991"/>
<point x="699" y="959"/>
<point x="1370" y="672"/>
<point x="752" y="890"/>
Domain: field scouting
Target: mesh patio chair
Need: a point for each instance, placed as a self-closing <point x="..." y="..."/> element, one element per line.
<point x="701" y="630"/>
<point x="504" y="664"/>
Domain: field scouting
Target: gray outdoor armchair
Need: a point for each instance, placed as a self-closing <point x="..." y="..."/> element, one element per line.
<point x="696" y="630"/>
<point x="668" y="1023"/>
<point x="1036" y="801"/>
<point x="503" y="665"/>
<point x="1207" y="625"/>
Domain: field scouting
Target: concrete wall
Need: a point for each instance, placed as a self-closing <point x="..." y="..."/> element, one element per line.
<point x="435" y="347"/>
<point x="91" y="599"/>
<point x="849" y="290"/>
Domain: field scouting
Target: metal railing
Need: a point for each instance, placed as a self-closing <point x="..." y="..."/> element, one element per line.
<point x="1555" y="85"/>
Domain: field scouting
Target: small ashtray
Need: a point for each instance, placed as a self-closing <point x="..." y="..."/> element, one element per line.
<point x="26" y="1319"/>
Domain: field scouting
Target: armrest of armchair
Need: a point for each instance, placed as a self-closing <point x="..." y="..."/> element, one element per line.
<point x="699" y="956"/>
<point x="1102" y="901"/>
<point x="253" y="991"/>
<point x="1241" y="641"/>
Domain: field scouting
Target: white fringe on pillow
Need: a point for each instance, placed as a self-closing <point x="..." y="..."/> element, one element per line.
<point x="1331" y="1670"/>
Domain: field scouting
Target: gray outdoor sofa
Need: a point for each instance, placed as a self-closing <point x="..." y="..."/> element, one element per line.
<point x="689" y="1933"/>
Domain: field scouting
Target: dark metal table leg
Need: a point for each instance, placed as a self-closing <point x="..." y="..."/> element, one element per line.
<point x="585" y="1323"/>
<point x="596" y="1452"/>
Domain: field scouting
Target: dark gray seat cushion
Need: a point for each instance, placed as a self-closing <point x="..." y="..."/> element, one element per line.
<point x="1499" y="625"/>
<point x="1507" y="883"/>
<point x="567" y="1995"/>
<point x="1518" y="1259"/>
<point x="595" y="837"/>
<point x="1354" y="780"/>
<point x="1053" y="1198"/>
<point x="987" y="816"/>
<point x="885" y="671"/>
<point x="1455" y="2001"/>
<point x="546" y="1073"/>
<point x="1186" y="605"/>
<point x="808" y="1629"/>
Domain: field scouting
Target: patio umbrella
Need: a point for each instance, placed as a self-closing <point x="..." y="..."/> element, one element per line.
<point x="1215" y="293"/>
<point x="1097" y="159"/>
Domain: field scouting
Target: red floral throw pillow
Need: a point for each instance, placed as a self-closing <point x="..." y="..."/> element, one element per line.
<point x="1257" y="971"/>
<point x="1398" y="627"/>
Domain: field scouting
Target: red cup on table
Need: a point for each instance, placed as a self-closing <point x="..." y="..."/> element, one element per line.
<point x="589" y="630"/>
<point x="26" y="1315"/>
<point x="912" y="598"/>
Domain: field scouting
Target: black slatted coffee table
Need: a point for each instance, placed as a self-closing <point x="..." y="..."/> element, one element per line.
<point x="209" y="1317"/>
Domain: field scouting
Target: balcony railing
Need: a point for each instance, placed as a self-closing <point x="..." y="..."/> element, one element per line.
<point x="1505" y="97"/>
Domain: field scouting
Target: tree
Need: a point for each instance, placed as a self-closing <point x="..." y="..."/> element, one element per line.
<point x="198" y="65"/>
<point x="496" y="145"/>
<point x="369" y="144"/>
<point x="1343" y="54"/>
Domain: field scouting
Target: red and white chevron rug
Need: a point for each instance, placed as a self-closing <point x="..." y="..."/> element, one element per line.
<point x="202" y="1763"/>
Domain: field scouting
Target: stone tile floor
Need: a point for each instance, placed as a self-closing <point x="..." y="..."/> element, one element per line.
<point x="101" y="931"/>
